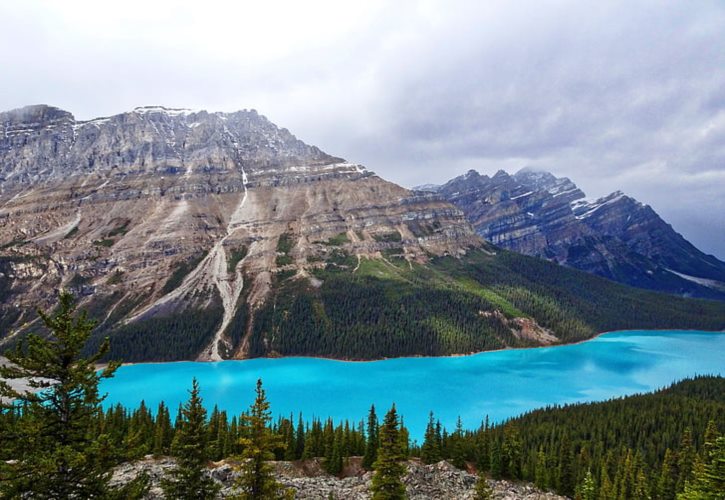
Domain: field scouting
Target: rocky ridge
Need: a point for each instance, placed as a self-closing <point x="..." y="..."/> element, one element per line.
<point x="617" y="237"/>
<point x="423" y="482"/>
<point x="156" y="211"/>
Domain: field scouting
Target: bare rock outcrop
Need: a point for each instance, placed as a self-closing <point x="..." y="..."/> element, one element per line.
<point x="439" y="481"/>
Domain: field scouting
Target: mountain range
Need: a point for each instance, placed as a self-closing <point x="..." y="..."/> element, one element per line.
<point x="197" y="235"/>
<point x="617" y="237"/>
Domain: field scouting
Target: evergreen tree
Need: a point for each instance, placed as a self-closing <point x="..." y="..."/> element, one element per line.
<point x="566" y="473"/>
<point x="667" y="481"/>
<point x="606" y="488"/>
<point x="55" y="452"/>
<point x="483" y="490"/>
<point x="458" y="454"/>
<point x="512" y="452"/>
<point x="686" y="460"/>
<point x="300" y="438"/>
<point x="371" y="445"/>
<point x="187" y="479"/>
<point x="430" y="452"/>
<point x="496" y="462"/>
<point x="389" y="466"/>
<point x="257" y="481"/>
<point x="587" y="489"/>
<point x="708" y="481"/>
<point x="334" y="464"/>
<point x="291" y="442"/>
<point x="163" y="433"/>
<point x="541" y="471"/>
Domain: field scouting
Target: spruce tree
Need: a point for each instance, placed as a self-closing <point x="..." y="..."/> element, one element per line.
<point x="541" y="469"/>
<point x="257" y="481"/>
<point x="566" y="474"/>
<point x="708" y="482"/>
<point x="389" y="466"/>
<point x="55" y="452"/>
<point x="163" y="433"/>
<point x="300" y="438"/>
<point x="587" y="489"/>
<point x="686" y="460"/>
<point x="483" y="490"/>
<point x="496" y="467"/>
<point x="371" y="445"/>
<point x="458" y="453"/>
<point x="430" y="452"/>
<point x="187" y="479"/>
<point x="512" y="452"/>
<point x="291" y="443"/>
<point x="667" y="481"/>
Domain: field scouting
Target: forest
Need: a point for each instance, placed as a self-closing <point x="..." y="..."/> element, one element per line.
<point x="59" y="441"/>
<point x="389" y="307"/>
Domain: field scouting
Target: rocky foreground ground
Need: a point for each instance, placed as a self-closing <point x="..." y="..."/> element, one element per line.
<point x="309" y="481"/>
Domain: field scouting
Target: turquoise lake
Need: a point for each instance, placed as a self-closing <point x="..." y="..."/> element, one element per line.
<point x="500" y="384"/>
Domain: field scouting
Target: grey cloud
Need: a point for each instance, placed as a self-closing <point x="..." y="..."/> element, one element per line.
<point x="616" y="95"/>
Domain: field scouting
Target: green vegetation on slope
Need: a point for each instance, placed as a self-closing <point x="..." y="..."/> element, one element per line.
<point x="390" y="308"/>
<point x="644" y="446"/>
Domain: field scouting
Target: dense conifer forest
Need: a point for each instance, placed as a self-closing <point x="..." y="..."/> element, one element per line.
<point x="657" y="446"/>
<point x="456" y="305"/>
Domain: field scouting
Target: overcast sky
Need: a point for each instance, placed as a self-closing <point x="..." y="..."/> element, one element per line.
<point x="615" y="95"/>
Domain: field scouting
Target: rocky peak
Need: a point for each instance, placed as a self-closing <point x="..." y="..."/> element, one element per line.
<point x="158" y="210"/>
<point x="41" y="143"/>
<point x="536" y="213"/>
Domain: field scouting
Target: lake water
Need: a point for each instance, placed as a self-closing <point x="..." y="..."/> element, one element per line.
<point x="500" y="384"/>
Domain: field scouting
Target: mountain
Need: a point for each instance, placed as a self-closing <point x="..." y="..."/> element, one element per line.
<point x="197" y="235"/>
<point x="617" y="237"/>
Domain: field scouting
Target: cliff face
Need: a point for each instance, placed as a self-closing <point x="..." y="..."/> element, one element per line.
<point x="617" y="237"/>
<point x="160" y="211"/>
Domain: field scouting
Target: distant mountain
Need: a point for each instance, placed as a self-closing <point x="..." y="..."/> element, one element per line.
<point x="617" y="237"/>
<point x="197" y="235"/>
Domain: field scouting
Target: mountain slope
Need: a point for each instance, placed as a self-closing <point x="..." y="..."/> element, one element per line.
<point x="161" y="212"/>
<point x="617" y="237"/>
<point x="196" y="235"/>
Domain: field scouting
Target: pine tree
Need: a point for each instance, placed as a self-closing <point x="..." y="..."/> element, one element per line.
<point x="257" y="481"/>
<point x="708" y="482"/>
<point x="686" y="460"/>
<point x="587" y="489"/>
<point x="512" y="452"/>
<point x="458" y="454"/>
<point x="300" y="438"/>
<point x="667" y="481"/>
<point x="389" y="466"/>
<point x="187" y="479"/>
<point x="291" y="443"/>
<point x="483" y="490"/>
<point x="541" y="471"/>
<point x="641" y="486"/>
<point x="163" y="432"/>
<point x="55" y="452"/>
<point x="496" y="462"/>
<point x="566" y="474"/>
<point x="371" y="445"/>
<point x="334" y="464"/>
<point x="430" y="452"/>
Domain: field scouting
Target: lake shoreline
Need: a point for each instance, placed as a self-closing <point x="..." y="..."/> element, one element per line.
<point x="501" y="385"/>
<point x="101" y="366"/>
